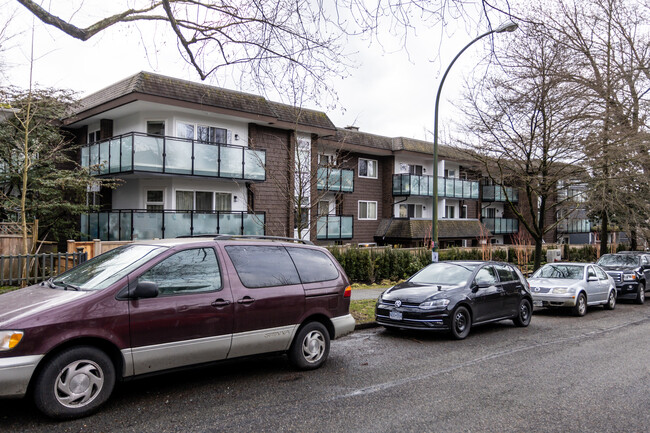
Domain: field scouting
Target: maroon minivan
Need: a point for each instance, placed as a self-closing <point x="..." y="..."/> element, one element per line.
<point x="158" y="305"/>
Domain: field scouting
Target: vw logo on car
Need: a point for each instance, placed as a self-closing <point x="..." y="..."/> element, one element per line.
<point x="398" y="303"/>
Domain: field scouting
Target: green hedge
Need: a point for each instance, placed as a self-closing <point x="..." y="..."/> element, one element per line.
<point x="373" y="266"/>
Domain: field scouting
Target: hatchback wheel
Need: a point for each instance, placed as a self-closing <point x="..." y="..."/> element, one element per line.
<point x="611" y="300"/>
<point x="640" y="295"/>
<point x="310" y="347"/>
<point x="74" y="383"/>
<point x="580" y="308"/>
<point x="461" y="323"/>
<point x="525" y="313"/>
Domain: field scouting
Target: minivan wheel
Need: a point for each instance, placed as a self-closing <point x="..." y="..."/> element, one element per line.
<point x="310" y="347"/>
<point x="461" y="323"/>
<point x="611" y="300"/>
<point x="580" y="308"/>
<point x="640" y="295"/>
<point x="74" y="383"/>
<point x="525" y="313"/>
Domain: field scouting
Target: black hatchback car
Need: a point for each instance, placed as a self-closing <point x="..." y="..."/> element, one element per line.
<point x="454" y="296"/>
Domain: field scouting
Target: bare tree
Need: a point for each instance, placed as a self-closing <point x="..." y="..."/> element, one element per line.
<point x="526" y="123"/>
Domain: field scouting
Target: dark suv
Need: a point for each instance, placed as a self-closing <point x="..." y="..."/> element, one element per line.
<point x="630" y="271"/>
<point x="158" y="305"/>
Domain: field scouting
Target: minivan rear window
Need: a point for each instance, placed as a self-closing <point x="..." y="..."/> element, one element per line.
<point x="263" y="266"/>
<point x="313" y="265"/>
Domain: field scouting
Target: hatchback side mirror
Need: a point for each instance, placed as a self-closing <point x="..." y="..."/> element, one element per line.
<point x="144" y="289"/>
<point x="592" y="278"/>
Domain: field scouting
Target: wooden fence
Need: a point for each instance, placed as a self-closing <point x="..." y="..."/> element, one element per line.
<point x="26" y="269"/>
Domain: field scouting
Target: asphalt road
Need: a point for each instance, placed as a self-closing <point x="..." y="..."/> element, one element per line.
<point x="561" y="374"/>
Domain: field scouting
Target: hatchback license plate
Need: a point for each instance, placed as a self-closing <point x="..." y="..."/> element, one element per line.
<point x="395" y="315"/>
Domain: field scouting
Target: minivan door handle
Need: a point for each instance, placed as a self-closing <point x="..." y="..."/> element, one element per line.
<point x="246" y="300"/>
<point x="220" y="303"/>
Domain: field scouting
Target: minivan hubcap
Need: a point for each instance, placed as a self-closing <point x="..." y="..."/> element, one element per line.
<point x="313" y="346"/>
<point x="79" y="383"/>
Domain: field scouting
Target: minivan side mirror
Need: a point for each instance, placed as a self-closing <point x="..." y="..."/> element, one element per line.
<point x="144" y="289"/>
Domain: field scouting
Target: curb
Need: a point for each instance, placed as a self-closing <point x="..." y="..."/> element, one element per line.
<point x="367" y="325"/>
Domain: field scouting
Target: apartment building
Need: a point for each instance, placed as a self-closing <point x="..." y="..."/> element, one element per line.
<point x="196" y="160"/>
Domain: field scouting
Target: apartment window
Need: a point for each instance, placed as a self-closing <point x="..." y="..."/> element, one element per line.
<point x="93" y="136"/>
<point x="368" y="168"/>
<point x="367" y="210"/>
<point x="463" y="211"/>
<point x="323" y="207"/>
<point x="222" y="201"/>
<point x="155" y="201"/>
<point x="450" y="173"/>
<point x="325" y="160"/>
<point x="194" y="200"/>
<point x="210" y="134"/>
<point x="185" y="130"/>
<point x="450" y="211"/>
<point x="410" y="211"/>
<point x="489" y="212"/>
<point x="155" y="127"/>
<point x="415" y="169"/>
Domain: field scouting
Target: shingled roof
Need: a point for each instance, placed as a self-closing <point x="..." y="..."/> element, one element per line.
<point x="421" y="229"/>
<point x="147" y="83"/>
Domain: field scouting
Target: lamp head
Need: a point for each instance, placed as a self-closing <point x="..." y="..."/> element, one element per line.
<point x="508" y="26"/>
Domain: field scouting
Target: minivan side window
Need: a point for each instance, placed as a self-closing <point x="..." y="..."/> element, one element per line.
<point x="313" y="265"/>
<point x="263" y="266"/>
<point x="188" y="271"/>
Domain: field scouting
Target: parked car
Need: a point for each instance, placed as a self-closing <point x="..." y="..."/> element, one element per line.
<point x="630" y="271"/>
<point x="572" y="285"/>
<point x="152" y="306"/>
<point x="455" y="296"/>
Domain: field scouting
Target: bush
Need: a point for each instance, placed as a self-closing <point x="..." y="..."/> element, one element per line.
<point x="371" y="266"/>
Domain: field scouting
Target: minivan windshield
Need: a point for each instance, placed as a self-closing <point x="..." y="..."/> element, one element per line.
<point x="565" y="272"/>
<point x="103" y="270"/>
<point x="620" y="260"/>
<point x="445" y="273"/>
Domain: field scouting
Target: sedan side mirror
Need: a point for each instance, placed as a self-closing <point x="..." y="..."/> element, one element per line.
<point x="144" y="289"/>
<point x="592" y="278"/>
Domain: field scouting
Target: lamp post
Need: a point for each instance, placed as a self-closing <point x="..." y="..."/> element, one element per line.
<point x="508" y="26"/>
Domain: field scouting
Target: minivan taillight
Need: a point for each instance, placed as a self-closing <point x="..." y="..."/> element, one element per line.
<point x="348" y="292"/>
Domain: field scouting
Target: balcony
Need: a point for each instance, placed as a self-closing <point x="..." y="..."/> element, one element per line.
<point x="501" y="226"/>
<point x="495" y="193"/>
<point x="334" y="227"/>
<point x="131" y="224"/>
<point x="414" y="185"/>
<point x="335" y="179"/>
<point x="574" y="225"/>
<point x="141" y="152"/>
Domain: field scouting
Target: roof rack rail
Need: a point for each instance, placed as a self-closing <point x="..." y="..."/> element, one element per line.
<point x="271" y="238"/>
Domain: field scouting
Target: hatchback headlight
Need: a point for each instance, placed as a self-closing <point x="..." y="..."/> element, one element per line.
<point x="9" y="339"/>
<point x="432" y="305"/>
<point x="562" y="291"/>
<point x="629" y="277"/>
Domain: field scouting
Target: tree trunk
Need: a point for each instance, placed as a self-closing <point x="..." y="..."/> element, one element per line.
<point x="603" y="232"/>
<point x="633" y="243"/>
<point x="538" y="254"/>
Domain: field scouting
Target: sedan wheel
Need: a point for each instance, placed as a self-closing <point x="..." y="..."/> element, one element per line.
<point x="580" y="308"/>
<point x="461" y="323"/>
<point x="611" y="300"/>
<point x="640" y="296"/>
<point x="525" y="313"/>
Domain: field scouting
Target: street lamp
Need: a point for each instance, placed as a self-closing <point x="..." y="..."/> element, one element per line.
<point x="508" y="26"/>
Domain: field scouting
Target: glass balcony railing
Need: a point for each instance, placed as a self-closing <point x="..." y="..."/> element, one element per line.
<point x="574" y="225"/>
<point x="501" y="226"/>
<point x="130" y="224"/>
<point x="414" y="185"/>
<point x="334" y="227"/>
<point x="335" y="179"/>
<point x="495" y="193"/>
<point x="141" y="152"/>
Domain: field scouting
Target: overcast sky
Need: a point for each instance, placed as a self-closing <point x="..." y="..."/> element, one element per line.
<point x="390" y="93"/>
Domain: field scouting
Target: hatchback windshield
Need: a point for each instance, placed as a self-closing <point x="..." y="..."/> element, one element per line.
<point x="104" y="270"/>
<point x="566" y="272"/>
<point x="445" y="273"/>
<point x="624" y="260"/>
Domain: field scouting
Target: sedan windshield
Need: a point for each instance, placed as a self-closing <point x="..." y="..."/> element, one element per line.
<point x="623" y="260"/>
<point x="104" y="270"/>
<point x="445" y="273"/>
<point x="565" y="272"/>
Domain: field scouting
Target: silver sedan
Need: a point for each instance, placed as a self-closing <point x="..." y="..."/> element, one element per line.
<point x="573" y="285"/>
